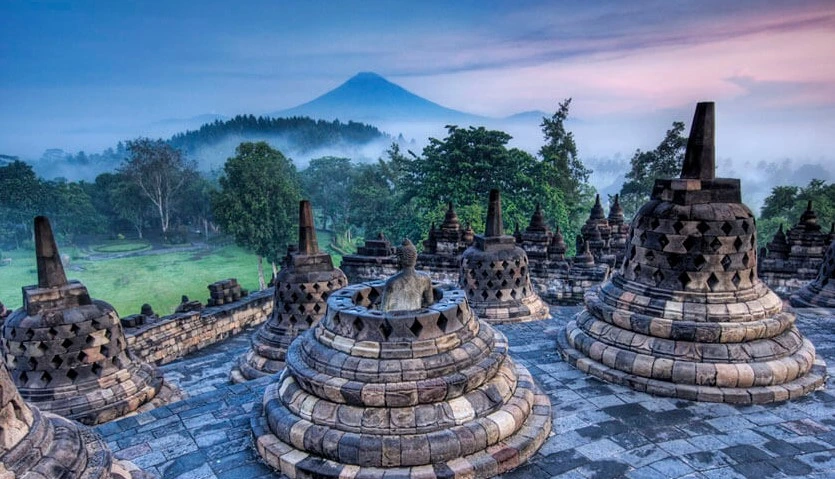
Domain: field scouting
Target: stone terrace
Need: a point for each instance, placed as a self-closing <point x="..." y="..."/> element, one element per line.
<point x="600" y="430"/>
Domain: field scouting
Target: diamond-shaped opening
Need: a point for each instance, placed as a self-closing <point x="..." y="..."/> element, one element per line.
<point x="689" y="243"/>
<point x="358" y="324"/>
<point x="673" y="260"/>
<point x="751" y="276"/>
<point x="678" y="226"/>
<point x="442" y="322"/>
<point x="30" y="334"/>
<point x="386" y="329"/>
<point x="716" y="244"/>
<point x="294" y="297"/>
<point x="308" y="320"/>
<point x="513" y="293"/>
<point x="82" y="356"/>
<point x="658" y="277"/>
<point x="727" y="228"/>
<point x="46" y="377"/>
<point x="499" y="295"/>
<point x="56" y="362"/>
<point x="504" y="264"/>
<point x="637" y="269"/>
<point x="736" y="280"/>
<point x="105" y="351"/>
<point x="97" y="369"/>
<point x="745" y="226"/>
<point x="52" y="332"/>
<point x="703" y="227"/>
<point x="649" y="256"/>
<point x="42" y="347"/>
<point x="33" y="364"/>
<point x="699" y="262"/>
<point x="317" y="307"/>
<point x="317" y="286"/>
<point x="726" y="262"/>
<point x="712" y="281"/>
<point x="663" y="241"/>
<point x="74" y="329"/>
<point x="24" y="377"/>
<point x="684" y="279"/>
<point x="416" y="328"/>
<point x="292" y="320"/>
<point x="745" y="260"/>
<point x="738" y="243"/>
<point x="303" y="287"/>
<point x="643" y="237"/>
<point x="490" y="284"/>
<point x="107" y="334"/>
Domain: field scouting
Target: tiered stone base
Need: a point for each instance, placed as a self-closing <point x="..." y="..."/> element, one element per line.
<point x="529" y="308"/>
<point x="254" y="365"/>
<point x="561" y="284"/>
<point x="96" y="402"/>
<point x="476" y="448"/>
<point x="58" y="448"/>
<point x="813" y="296"/>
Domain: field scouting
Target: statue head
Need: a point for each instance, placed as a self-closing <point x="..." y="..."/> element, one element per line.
<point x="407" y="254"/>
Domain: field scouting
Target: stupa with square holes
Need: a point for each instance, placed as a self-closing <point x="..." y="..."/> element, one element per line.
<point x="441" y="256"/>
<point x="428" y="393"/>
<point x="301" y="289"/>
<point x="67" y="352"/>
<point x="495" y="275"/>
<point x="687" y="315"/>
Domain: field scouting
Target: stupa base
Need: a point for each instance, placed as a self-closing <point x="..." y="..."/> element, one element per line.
<point x="243" y="369"/>
<point x="532" y="308"/>
<point x="812" y="380"/>
<point x="814" y="297"/>
<point x="498" y="458"/>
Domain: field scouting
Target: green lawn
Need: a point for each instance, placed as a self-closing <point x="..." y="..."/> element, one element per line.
<point x="126" y="283"/>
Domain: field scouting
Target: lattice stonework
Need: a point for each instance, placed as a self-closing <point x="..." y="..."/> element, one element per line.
<point x="687" y="316"/>
<point x="424" y="393"/>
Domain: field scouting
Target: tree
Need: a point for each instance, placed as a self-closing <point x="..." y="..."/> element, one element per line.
<point x="71" y="210"/>
<point x="326" y="182"/>
<point x="161" y="173"/>
<point x="646" y="166"/>
<point x="786" y="204"/>
<point x="20" y="199"/>
<point x="257" y="202"/>
<point x="121" y="202"/>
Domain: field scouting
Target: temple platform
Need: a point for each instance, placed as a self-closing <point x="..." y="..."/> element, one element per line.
<point x="600" y="430"/>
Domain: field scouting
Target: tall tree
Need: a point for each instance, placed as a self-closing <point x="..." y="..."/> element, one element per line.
<point x="663" y="162"/>
<point x="20" y="200"/>
<point x="257" y="201"/>
<point x="161" y="173"/>
<point x="326" y="182"/>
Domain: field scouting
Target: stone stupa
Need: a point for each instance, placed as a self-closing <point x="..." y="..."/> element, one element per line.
<point x="820" y="292"/>
<point x="495" y="276"/>
<point x="301" y="290"/>
<point x="441" y="256"/>
<point x="372" y="261"/>
<point x="687" y="315"/>
<point x="43" y="445"/>
<point x="67" y="352"/>
<point x="421" y="390"/>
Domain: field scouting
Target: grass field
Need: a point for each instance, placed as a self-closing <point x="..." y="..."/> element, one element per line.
<point x="127" y="283"/>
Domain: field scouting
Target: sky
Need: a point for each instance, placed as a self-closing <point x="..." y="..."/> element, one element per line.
<point x="82" y="75"/>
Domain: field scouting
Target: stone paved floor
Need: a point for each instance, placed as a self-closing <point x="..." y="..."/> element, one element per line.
<point x="600" y="430"/>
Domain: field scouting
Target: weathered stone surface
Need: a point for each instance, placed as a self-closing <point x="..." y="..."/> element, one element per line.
<point x="376" y="259"/>
<point x="404" y="393"/>
<point x="821" y="291"/>
<point x="407" y="290"/>
<point x="41" y="444"/>
<point x="792" y="260"/>
<point x="302" y="287"/>
<point x="441" y="256"/>
<point x="686" y="315"/>
<point x="67" y="353"/>
<point x="495" y="275"/>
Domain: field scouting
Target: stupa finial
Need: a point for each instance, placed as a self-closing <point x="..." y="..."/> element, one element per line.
<point x="494" y="215"/>
<point x="50" y="269"/>
<point x="307" y="233"/>
<point x="700" y="157"/>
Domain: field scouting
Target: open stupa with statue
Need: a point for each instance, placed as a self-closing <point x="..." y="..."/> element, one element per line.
<point x="400" y="379"/>
<point x="687" y="315"/>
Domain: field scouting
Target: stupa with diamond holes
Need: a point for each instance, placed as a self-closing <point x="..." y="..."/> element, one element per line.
<point x="376" y="259"/>
<point x="821" y="291"/>
<point x="43" y="445"/>
<point x="554" y="278"/>
<point x="687" y="315"/>
<point x="597" y="232"/>
<point x="441" y="256"/>
<point x="619" y="231"/>
<point x="794" y="258"/>
<point x="67" y="352"/>
<point x="495" y="276"/>
<point x="428" y="393"/>
<point x="301" y="290"/>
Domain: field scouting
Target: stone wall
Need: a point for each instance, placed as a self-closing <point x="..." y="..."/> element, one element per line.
<point x="172" y="337"/>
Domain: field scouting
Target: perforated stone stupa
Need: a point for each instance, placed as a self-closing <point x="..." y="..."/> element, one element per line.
<point x="441" y="256"/>
<point x="554" y="278"/>
<point x="821" y="291"/>
<point x="376" y="259"/>
<point x="41" y="445"/>
<point x="794" y="258"/>
<point x="67" y="352"/>
<point x="426" y="393"/>
<point x="687" y="315"/>
<point x="301" y="290"/>
<point x="495" y="276"/>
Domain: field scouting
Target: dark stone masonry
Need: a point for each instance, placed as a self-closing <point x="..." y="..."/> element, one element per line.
<point x="301" y="289"/>
<point x="442" y="250"/>
<point x="376" y="259"/>
<point x="67" y="352"/>
<point x="820" y="292"/>
<point x="495" y="277"/>
<point x="687" y="316"/>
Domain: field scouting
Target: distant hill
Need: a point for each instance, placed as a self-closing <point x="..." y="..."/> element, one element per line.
<point x="369" y="97"/>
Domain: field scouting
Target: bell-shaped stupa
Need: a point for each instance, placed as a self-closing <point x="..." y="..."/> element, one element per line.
<point x="687" y="315"/>
<point x="372" y="261"/>
<point x="67" y="352"/>
<point x="43" y="445"/>
<point x="441" y="256"/>
<point x="301" y="290"/>
<point x="820" y="293"/>
<point x="400" y="380"/>
<point x="495" y="276"/>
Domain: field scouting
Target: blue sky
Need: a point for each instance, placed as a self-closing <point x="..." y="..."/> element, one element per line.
<point x="81" y="75"/>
